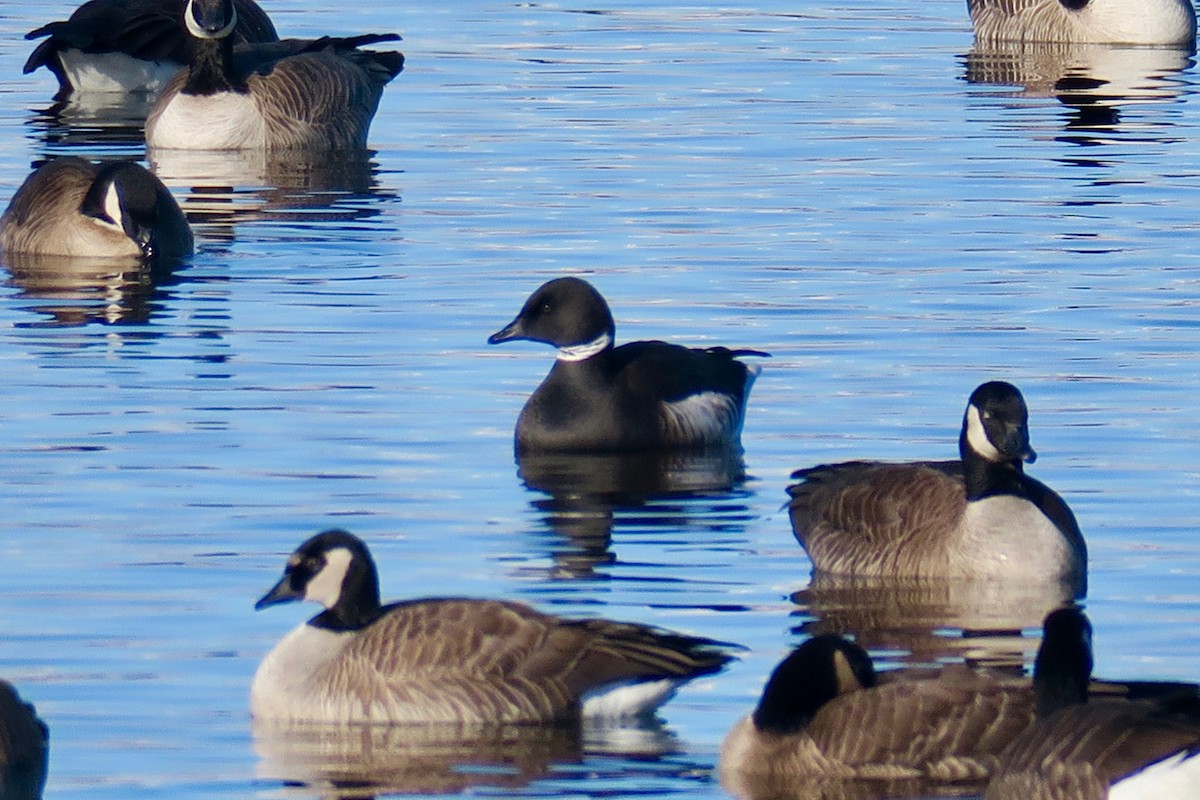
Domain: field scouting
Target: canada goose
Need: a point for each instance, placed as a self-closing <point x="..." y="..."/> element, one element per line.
<point x="23" y="747"/>
<point x="1091" y="748"/>
<point x="978" y="518"/>
<point x="454" y="660"/>
<point x="823" y="715"/>
<point x="128" y="45"/>
<point x="318" y="95"/>
<point x="639" y="396"/>
<point x="71" y="207"/>
<point x="1136" y="22"/>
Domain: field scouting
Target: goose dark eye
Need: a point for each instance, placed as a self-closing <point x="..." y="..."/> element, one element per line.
<point x="546" y="308"/>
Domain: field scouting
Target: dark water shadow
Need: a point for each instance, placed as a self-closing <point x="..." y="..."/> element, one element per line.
<point x="922" y="622"/>
<point x="362" y="761"/>
<point x="591" y="494"/>
<point x="67" y="292"/>
<point x="1093" y="82"/>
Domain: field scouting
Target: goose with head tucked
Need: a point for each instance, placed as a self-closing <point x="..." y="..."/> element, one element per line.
<point x="980" y="517"/>
<point x="292" y="95"/>
<point x="71" y="207"/>
<point x="128" y="45"/>
<point x="640" y="396"/>
<point x="455" y="660"/>
<point x="1122" y="22"/>
<point x="1088" y="746"/>
<point x="825" y="714"/>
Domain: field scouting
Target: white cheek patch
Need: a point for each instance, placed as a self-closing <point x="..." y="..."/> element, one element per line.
<point x="579" y="352"/>
<point x="200" y="33"/>
<point x="977" y="436"/>
<point x="112" y="206"/>
<point x="326" y="586"/>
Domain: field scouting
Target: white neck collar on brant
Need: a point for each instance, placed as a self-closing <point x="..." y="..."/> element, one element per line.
<point x="580" y="352"/>
<point x="200" y="33"/>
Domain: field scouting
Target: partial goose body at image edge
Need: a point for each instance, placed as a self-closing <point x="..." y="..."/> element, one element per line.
<point x="128" y="45"/>
<point x="1118" y="22"/>
<point x="642" y="395"/>
<point x="115" y="210"/>
<point x="977" y="518"/>
<point x="1098" y="745"/>
<point x="454" y="659"/>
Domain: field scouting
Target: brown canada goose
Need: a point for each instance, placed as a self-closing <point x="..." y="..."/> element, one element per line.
<point x="71" y="207"/>
<point x="23" y="747"/>
<point x="128" y="45"/>
<point x="1139" y="22"/>
<point x="313" y="95"/>
<point x="1091" y="747"/>
<point x="980" y="517"/>
<point x="824" y="715"/>
<point x="454" y="660"/>
<point x="639" y="396"/>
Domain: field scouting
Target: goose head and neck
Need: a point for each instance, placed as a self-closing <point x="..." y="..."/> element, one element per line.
<point x="994" y="443"/>
<point x="124" y="196"/>
<point x="334" y="569"/>
<point x="211" y="24"/>
<point x="567" y="313"/>
<point x="1063" y="667"/>
<point x="816" y="672"/>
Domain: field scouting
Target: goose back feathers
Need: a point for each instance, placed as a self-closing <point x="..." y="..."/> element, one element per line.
<point x="825" y="714"/>
<point x="454" y="660"/>
<point x="978" y="517"/>
<point x="290" y="95"/>
<point x="71" y="207"/>
<point x="1086" y="746"/>
<point x="644" y="395"/>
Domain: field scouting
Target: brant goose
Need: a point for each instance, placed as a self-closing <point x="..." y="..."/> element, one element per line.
<point x="454" y="660"/>
<point x="980" y="517"/>
<point x="639" y="396"/>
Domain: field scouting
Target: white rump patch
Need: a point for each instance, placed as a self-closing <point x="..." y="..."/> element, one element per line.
<point x="628" y="699"/>
<point x="580" y="352"/>
<point x="977" y="436"/>
<point x="114" y="72"/>
<point x="326" y="586"/>
<point x="1174" y="776"/>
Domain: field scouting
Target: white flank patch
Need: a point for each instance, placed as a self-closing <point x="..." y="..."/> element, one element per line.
<point x="326" y="586"/>
<point x="977" y="436"/>
<point x="222" y="121"/>
<point x="704" y="418"/>
<point x="628" y="699"/>
<point x="114" y="72"/>
<point x="579" y="352"/>
<point x="1173" y="778"/>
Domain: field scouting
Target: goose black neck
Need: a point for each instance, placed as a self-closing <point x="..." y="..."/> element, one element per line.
<point x="984" y="478"/>
<point x="211" y="67"/>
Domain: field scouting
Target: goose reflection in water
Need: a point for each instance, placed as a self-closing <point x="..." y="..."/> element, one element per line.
<point x="930" y="621"/>
<point x="1094" y="81"/>
<point x="659" y="489"/>
<point x="218" y="189"/>
<point x="80" y="291"/>
<point x="361" y="761"/>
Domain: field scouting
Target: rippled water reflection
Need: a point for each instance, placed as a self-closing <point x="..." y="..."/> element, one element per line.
<point x="894" y="215"/>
